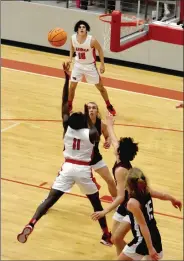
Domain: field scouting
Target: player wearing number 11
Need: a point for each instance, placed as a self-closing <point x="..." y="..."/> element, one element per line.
<point x="85" y="46"/>
<point x="78" y="148"/>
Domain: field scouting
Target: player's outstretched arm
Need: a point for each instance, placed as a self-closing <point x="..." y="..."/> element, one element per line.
<point x="64" y="106"/>
<point x="110" y="128"/>
<point x="163" y="196"/>
<point x="120" y="178"/>
<point x="106" y="135"/>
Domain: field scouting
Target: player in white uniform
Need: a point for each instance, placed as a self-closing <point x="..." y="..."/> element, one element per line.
<point x="78" y="149"/>
<point x="85" y="47"/>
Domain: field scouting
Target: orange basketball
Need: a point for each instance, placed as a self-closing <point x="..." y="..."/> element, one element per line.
<point x="57" y="37"/>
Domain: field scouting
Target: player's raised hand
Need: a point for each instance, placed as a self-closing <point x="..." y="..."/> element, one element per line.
<point x="66" y="67"/>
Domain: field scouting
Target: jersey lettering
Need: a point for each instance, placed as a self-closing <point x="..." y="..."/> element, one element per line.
<point x="82" y="56"/>
<point x="149" y="210"/>
<point x="76" y="144"/>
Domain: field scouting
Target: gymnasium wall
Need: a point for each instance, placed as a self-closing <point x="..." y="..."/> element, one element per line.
<point x="30" y="22"/>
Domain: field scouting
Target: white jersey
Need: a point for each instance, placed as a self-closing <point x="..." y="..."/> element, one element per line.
<point x="77" y="145"/>
<point x="84" y="53"/>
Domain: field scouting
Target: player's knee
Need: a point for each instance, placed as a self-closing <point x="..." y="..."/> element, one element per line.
<point x="100" y="87"/>
<point x="116" y="239"/>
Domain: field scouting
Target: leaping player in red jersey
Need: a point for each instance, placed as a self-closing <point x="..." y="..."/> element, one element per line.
<point x="85" y="46"/>
<point x="79" y="143"/>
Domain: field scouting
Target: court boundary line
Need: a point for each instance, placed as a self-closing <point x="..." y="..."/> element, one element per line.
<point x="112" y="88"/>
<point x="77" y="195"/>
<point x="116" y="124"/>
<point x="10" y="127"/>
<point x="112" y="61"/>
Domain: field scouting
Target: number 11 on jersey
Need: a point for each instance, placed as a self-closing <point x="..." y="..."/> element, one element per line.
<point x="76" y="144"/>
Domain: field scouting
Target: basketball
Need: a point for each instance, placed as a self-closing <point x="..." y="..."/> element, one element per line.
<point x="57" y="37"/>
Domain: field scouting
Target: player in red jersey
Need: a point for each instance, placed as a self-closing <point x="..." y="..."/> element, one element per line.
<point x="79" y="142"/>
<point x="85" y="46"/>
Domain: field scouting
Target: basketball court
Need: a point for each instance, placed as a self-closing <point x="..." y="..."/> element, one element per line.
<point x="31" y="132"/>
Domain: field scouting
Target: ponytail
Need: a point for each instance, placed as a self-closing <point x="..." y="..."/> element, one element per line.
<point x="136" y="183"/>
<point x="141" y="185"/>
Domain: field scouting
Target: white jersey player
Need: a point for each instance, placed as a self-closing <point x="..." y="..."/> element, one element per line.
<point x="85" y="46"/>
<point x="78" y="148"/>
<point x="85" y="54"/>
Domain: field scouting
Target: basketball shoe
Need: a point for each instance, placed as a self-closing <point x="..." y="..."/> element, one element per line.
<point x="106" y="239"/>
<point x="22" y="237"/>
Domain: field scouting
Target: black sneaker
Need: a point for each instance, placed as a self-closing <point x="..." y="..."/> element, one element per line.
<point x="106" y="239"/>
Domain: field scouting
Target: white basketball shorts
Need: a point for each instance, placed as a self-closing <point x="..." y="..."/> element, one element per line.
<point x="100" y="164"/>
<point x="89" y="71"/>
<point x="118" y="217"/>
<point x="71" y="174"/>
<point x="130" y="251"/>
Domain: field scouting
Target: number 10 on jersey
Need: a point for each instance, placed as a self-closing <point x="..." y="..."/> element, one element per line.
<point x="82" y="56"/>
